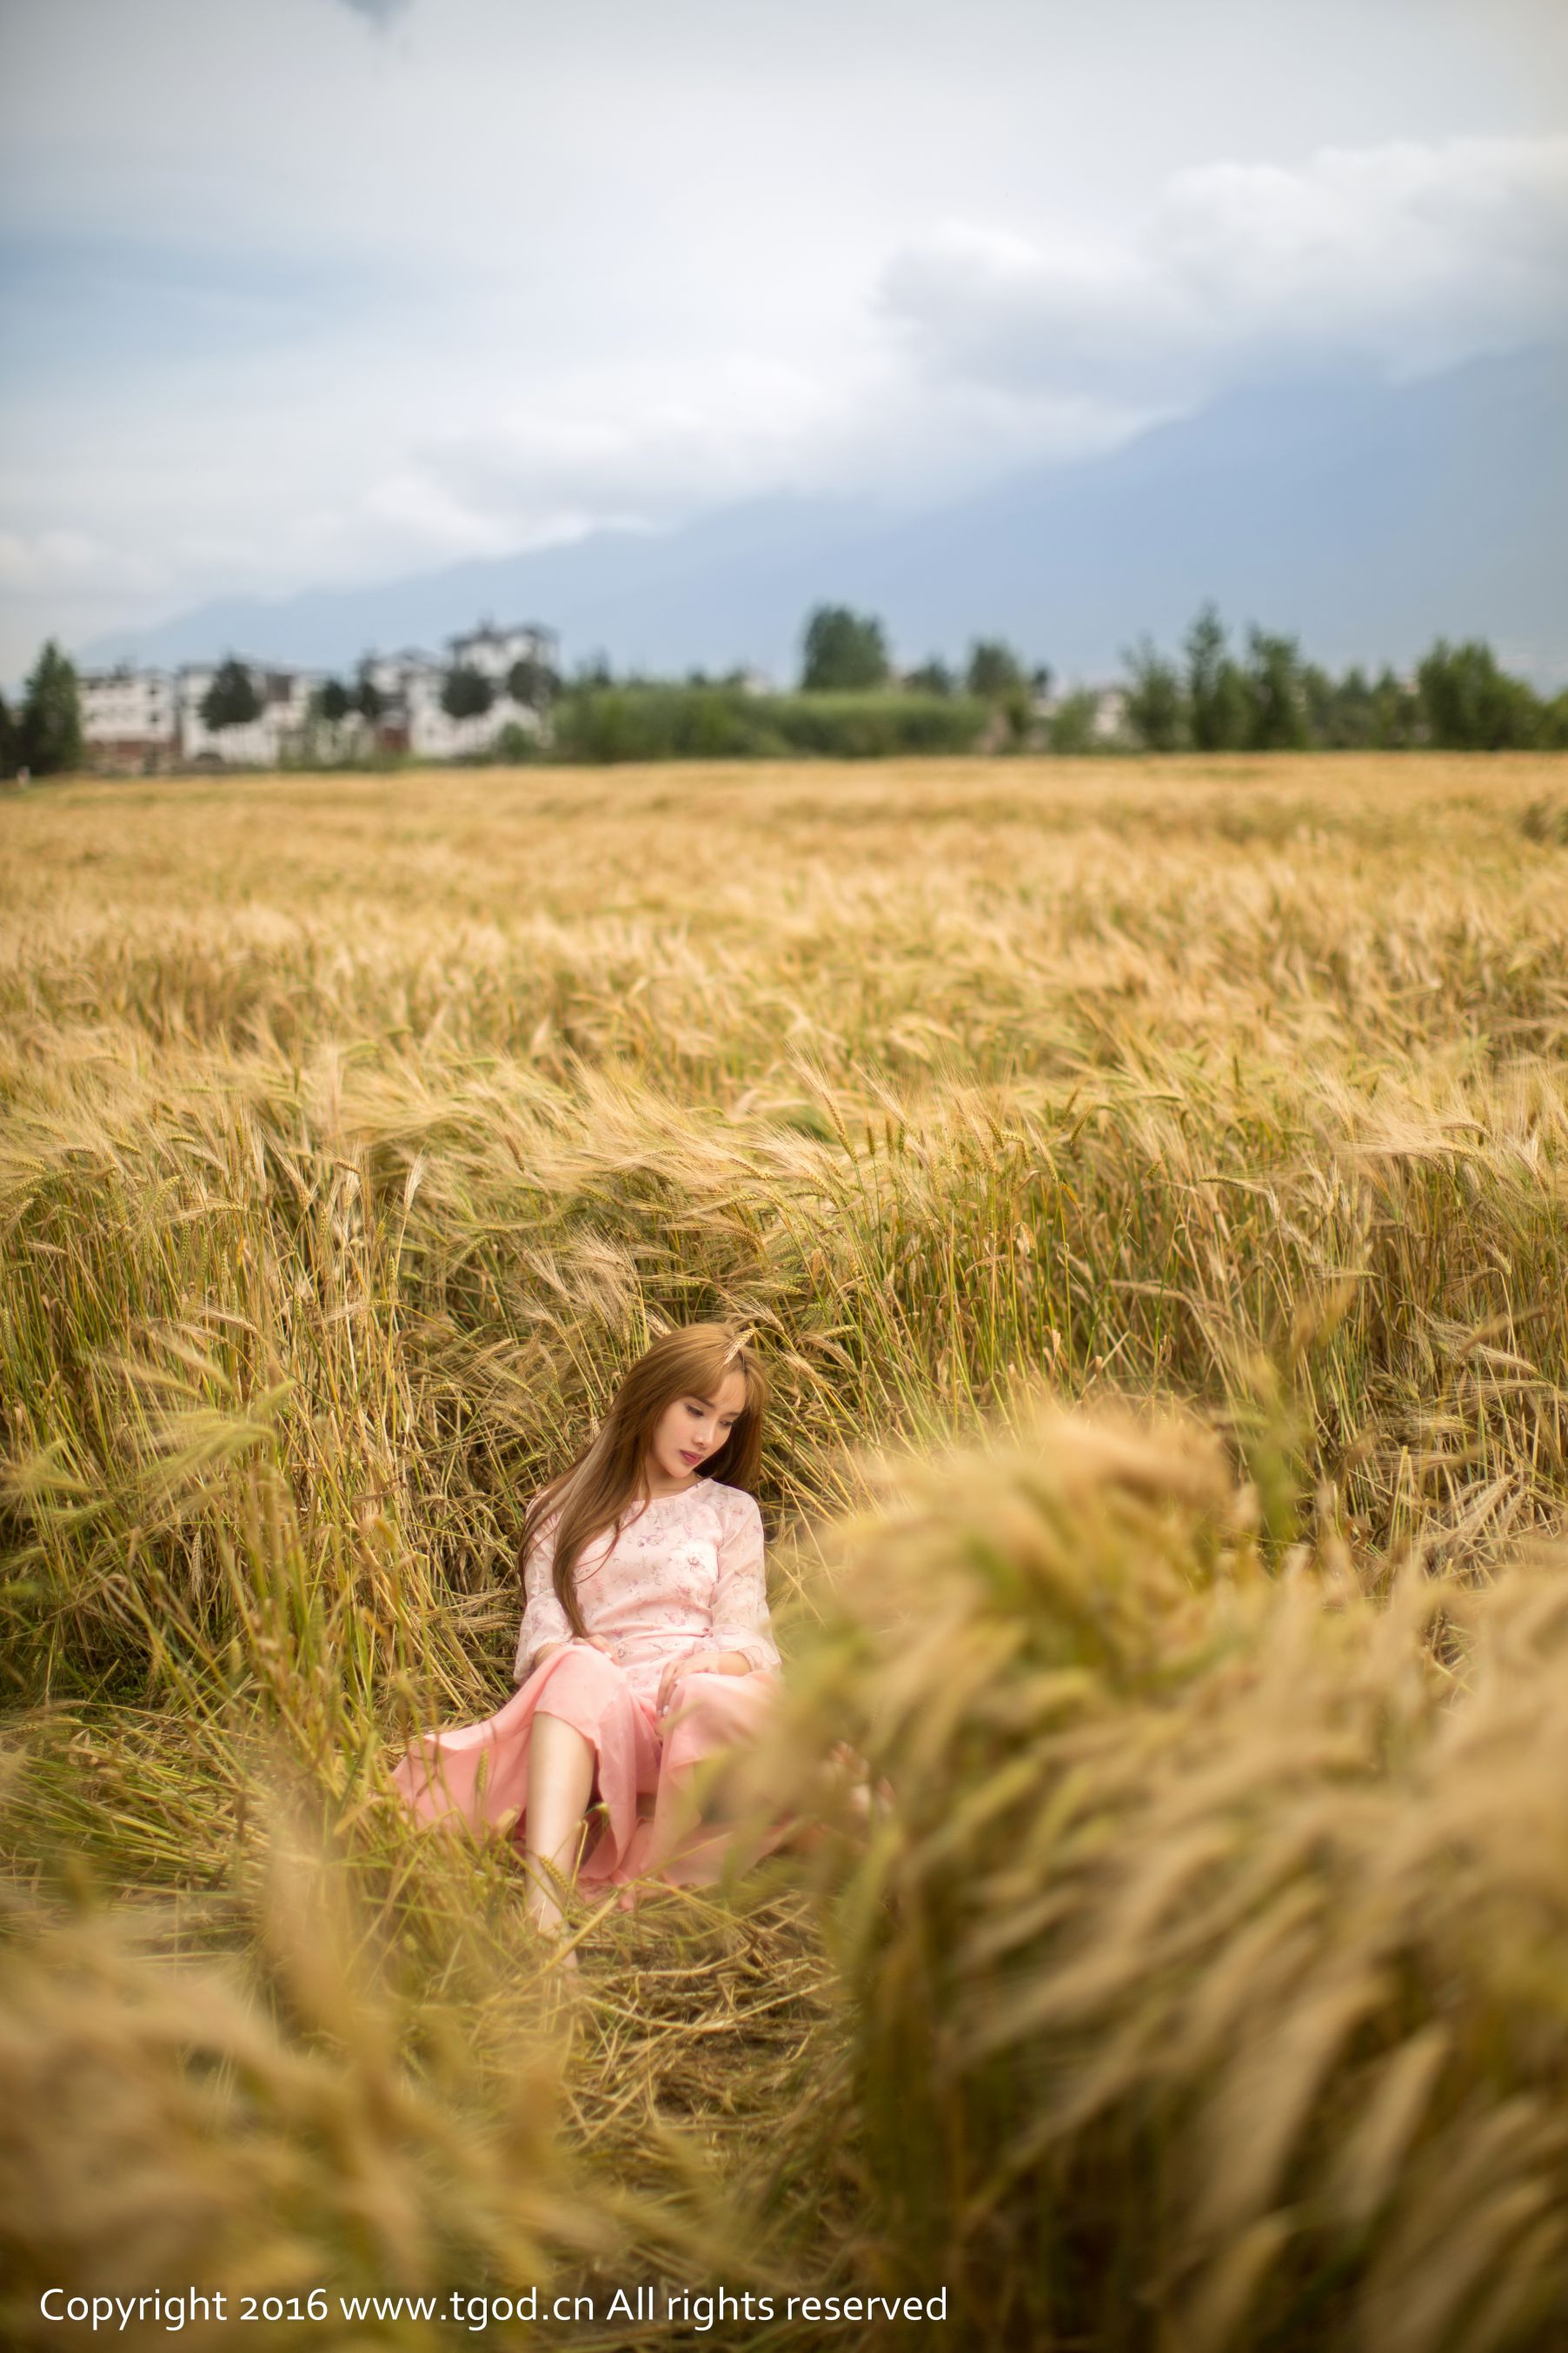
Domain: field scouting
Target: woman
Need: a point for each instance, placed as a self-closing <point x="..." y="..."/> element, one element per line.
<point x="645" y="1645"/>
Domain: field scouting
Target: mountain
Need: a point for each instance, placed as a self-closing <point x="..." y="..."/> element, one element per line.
<point x="1365" y="519"/>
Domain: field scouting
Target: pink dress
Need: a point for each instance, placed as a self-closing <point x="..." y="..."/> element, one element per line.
<point x="675" y="1578"/>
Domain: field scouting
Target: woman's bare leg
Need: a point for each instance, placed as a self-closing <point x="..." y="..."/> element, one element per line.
<point x="560" y="1783"/>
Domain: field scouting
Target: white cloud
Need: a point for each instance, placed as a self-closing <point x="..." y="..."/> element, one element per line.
<point x="1409" y="257"/>
<point x="48" y="563"/>
<point x="656" y="446"/>
<point x="650" y="447"/>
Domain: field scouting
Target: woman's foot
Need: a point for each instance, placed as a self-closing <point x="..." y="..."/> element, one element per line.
<point x="553" y="1931"/>
<point x="563" y="1955"/>
<point x="550" y="1923"/>
<point x="850" y="1777"/>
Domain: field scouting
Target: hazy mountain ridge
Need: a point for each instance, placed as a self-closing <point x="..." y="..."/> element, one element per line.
<point x="1368" y="520"/>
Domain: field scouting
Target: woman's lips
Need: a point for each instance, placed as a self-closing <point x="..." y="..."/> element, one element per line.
<point x="690" y="1458"/>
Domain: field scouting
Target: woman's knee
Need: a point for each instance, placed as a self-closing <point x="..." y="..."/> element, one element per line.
<point x="555" y="1732"/>
<point x="593" y="1693"/>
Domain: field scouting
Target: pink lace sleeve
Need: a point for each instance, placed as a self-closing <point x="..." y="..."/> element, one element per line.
<point x="543" y="1619"/>
<point x="741" y="1598"/>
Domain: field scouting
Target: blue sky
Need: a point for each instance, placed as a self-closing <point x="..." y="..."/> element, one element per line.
<point x="330" y="290"/>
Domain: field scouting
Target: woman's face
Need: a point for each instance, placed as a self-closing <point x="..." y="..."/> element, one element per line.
<point x="693" y="1427"/>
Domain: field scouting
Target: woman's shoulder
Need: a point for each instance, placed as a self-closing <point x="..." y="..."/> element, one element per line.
<point x="737" y="1507"/>
<point x="542" y="1518"/>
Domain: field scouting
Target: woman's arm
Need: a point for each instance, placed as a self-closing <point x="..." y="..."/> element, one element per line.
<point x="741" y="1636"/>
<point x="545" y="1625"/>
<point x="739" y="1641"/>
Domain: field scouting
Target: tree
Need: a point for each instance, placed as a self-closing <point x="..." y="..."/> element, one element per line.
<point x="1277" y="715"/>
<point x="1217" y="690"/>
<point x="994" y="672"/>
<point x="231" y="700"/>
<point x="369" y="699"/>
<point x="932" y="677"/>
<point x="50" y="725"/>
<point x="334" y="701"/>
<point x="1070" y="730"/>
<point x="1472" y="705"/>
<point x="1017" y="708"/>
<point x="532" y="682"/>
<point x="1333" y="712"/>
<point x="844" y="651"/>
<point x="1554" y="723"/>
<point x="1156" y="707"/>
<point x="465" y="692"/>
<point x="1396" y="720"/>
<point x="515" y="743"/>
<point x="10" y="740"/>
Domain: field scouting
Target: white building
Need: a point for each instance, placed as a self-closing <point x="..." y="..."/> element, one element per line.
<point x="413" y="684"/>
<point x="260" y="742"/>
<point x="1106" y="712"/>
<point x="400" y="681"/>
<point x="145" y="718"/>
<point x="435" y="734"/>
<point x="129" y="718"/>
<point x="1110" y="722"/>
<point x="393" y="675"/>
<point x="492" y="651"/>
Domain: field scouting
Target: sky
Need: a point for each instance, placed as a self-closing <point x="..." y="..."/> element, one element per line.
<point x="327" y="290"/>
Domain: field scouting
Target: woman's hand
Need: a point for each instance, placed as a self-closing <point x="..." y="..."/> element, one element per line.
<point x="702" y="1663"/>
<point x="674" y="1671"/>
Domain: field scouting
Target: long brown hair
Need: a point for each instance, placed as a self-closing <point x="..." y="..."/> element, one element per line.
<point x="594" y="1489"/>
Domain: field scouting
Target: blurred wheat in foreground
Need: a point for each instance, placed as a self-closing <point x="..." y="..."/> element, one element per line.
<point x="1150" y="1190"/>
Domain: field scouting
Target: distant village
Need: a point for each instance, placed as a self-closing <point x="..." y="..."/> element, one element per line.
<point x="138" y="721"/>
<point x="144" y="720"/>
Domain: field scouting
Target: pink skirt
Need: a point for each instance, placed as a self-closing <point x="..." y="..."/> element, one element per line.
<point x="477" y="1773"/>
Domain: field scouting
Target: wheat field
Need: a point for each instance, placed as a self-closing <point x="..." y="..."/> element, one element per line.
<point x="1149" y="1184"/>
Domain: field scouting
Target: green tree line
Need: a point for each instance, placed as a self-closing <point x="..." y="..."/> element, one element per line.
<point x="1260" y="695"/>
<point x="1267" y="698"/>
<point x="1264" y="696"/>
